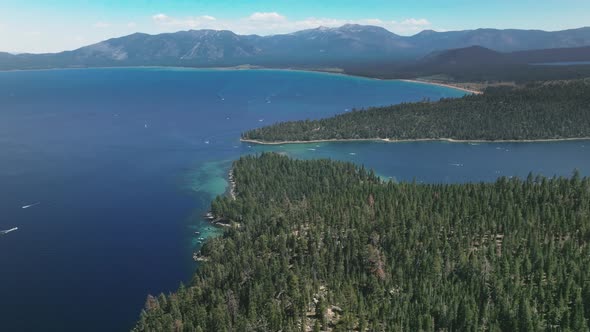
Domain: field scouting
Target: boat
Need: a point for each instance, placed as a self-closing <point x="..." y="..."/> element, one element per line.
<point x="9" y="230"/>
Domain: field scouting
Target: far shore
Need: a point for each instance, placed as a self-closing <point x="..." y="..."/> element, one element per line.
<point x="327" y="71"/>
<point x="387" y="140"/>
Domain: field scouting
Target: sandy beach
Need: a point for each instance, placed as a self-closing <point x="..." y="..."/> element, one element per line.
<point x="443" y="85"/>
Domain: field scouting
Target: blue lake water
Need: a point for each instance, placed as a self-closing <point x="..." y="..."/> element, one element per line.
<point x="124" y="161"/>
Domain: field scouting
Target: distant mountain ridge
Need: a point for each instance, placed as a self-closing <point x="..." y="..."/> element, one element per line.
<point x="314" y="47"/>
<point x="480" y="64"/>
<point x="478" y="55"/>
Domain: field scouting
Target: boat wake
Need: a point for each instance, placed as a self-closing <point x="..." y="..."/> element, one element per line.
<point x="30" y="205"/>
<point x="8" y="231"/>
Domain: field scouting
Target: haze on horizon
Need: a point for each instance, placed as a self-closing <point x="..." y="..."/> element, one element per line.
<point x="36" y="26"/>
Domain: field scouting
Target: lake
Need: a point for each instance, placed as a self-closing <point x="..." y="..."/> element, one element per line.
<point x="119" y="165"/>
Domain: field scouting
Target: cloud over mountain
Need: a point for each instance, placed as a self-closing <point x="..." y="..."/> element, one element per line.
<point x="270" y="23"/>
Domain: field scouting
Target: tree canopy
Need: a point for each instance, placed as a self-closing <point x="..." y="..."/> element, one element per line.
<point x="329" y="245"/>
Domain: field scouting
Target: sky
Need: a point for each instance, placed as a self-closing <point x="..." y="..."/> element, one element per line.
<point x="38" y="26"/>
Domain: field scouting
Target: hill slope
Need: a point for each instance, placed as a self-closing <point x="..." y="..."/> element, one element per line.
<point x="481" y="56"/>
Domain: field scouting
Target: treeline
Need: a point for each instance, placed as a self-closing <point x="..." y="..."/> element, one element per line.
<point x="537" y="111"/>
<point x="461" y="73"/>
<point x="326" y="245"/>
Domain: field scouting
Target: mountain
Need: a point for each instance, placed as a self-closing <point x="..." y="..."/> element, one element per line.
<point x="576" y="54"/>
<point x="502" y="40"/>
<point x="6" y="55"/>
<point x="200" y="47"/>
<point x="337" y="47"/>
<point x="331" y="46"/>
<point x="468" y="56"/>
<point x="186" y="46"/>
<point x="480" y="64"/>
<point x="481" y="56"/>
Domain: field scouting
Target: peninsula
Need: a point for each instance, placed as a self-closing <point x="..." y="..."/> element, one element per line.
<point x="545" y="111"/>
<point x="329" y="246"/>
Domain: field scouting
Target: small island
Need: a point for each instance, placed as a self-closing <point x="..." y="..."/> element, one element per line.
<point x="535" y="112"/>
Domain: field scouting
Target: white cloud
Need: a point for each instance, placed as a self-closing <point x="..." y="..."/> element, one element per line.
<point x="102" y="25"/>
<point x="267" y="17"/>
<point x="408" y="26"/>
<point x="198" y="22"/>
<point x="268" y="23"/>
<point x="415" y="22"/>
<point x="131" y="25"/>
<point x="374" y="21"/>
<point x="161" y="18"/>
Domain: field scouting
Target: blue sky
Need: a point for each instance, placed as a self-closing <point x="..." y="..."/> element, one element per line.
<point x="55" y="25"/>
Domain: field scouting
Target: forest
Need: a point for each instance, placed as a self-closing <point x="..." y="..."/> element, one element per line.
<point x="462" y="73"/>
<point x="323" y="245"/>
<point x="549" y="110"/>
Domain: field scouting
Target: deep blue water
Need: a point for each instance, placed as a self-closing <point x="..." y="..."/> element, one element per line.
<point x="124" y="161"/>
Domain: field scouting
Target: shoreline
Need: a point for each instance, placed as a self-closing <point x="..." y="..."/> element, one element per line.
<point x="475" y="92"/>
<point x="387" y="140"/>
<point x="324" y="71"/>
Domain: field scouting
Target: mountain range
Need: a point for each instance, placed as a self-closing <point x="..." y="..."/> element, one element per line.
<point x="320" y="47"/>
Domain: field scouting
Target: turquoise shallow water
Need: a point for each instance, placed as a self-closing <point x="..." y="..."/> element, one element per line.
<point x="124" y="162"/>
